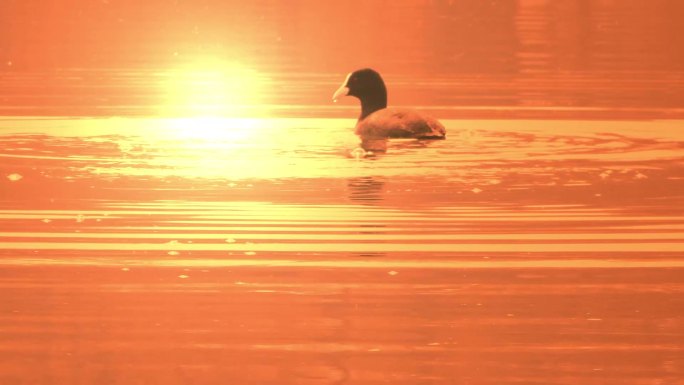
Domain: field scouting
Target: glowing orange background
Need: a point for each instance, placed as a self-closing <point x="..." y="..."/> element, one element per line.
<point x="534" y="53"/>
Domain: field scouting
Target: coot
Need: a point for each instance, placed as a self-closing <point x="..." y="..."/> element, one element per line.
<point x="378" y="121"/>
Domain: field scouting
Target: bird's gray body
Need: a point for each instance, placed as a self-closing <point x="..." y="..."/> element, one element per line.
<point x="399" y="123"/>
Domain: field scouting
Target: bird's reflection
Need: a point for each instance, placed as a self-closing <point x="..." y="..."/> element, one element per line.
<point x="374" y="145"/>
<point x="366" y="189"/>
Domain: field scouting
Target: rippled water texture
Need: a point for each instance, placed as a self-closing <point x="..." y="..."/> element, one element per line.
<point x="181" y="202"/>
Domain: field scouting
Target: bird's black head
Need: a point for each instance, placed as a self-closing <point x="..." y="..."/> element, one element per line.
<point x="367" y="85"/>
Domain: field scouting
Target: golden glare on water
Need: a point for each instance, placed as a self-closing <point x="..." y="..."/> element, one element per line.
<point x="207" y="100"/>
<point x="210" y="86"/>
<point x="234" y="148"/>
<point x="209" y="128"/>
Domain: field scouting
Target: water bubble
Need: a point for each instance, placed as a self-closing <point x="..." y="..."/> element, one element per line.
<point x="358" y="153"/>
<point x="14" y="177"/>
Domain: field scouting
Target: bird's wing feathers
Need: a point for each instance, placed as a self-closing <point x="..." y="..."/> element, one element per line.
<point x="394" y="123"/>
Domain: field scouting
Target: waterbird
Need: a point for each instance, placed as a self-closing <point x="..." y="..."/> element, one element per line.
<point x="378" y="121"/>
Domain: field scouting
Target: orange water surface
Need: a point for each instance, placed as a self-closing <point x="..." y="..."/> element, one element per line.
<point x="182" y="203"/>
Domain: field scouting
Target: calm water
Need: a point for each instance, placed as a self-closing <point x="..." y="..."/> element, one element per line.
<point x="170" y="214"/>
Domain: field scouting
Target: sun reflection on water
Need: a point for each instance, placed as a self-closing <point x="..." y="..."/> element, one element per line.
<point x="211" y="86"/>
<point x="209" y="128"/>
<point x="226" y="148"/>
